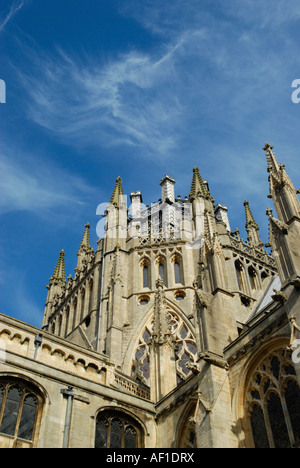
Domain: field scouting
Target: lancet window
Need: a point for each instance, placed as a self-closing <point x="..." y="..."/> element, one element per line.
<point x="240" y="275"/>
<point x="177" y="266"/>
<point x="145" y="265"/>
<point x="253" y="278"/>
<point x="161" y="269"/>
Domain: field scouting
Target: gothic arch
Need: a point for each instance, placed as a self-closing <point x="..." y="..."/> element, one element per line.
<point x="185" y="432"/>
<point x="160" y="263"/>
<point x="145" y="272"/>
<point x="15" y="375"/>
<point x="178" y="268"/>
<point x="22" y="403"/>
<point x="138" y="354"/>
<point x="125" y="419"/>
<point x="264" y="384"/>
<point x="240" y="269"/>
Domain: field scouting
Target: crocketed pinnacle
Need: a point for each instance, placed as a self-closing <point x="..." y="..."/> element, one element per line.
<point x="161" y="328"/>
<point x="59" y="275"/>
<point x="271" y="158"/>
<point x="250" y="221"/>
<point x="198" y="188"/>
<point x="117" y="193"/>
<point x="85" y="245"/>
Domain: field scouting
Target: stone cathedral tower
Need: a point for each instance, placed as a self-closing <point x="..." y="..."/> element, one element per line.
<point x="173" y="333"/>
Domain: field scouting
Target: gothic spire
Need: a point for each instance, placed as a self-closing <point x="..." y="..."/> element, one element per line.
<point x="85" y="249"/>
<point x="85" y="245"/>
<point x="59" y="275"/>
<point x="198" y="188"/>
<point x="250" y="221"/>
<point x="271" y="158"/>
<point x="282" y="190"/>
<point x="117" y="193"/>
<point x="252" y="227"/>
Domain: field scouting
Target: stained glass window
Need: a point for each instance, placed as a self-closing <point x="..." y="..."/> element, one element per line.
<point x="186" y="349"/>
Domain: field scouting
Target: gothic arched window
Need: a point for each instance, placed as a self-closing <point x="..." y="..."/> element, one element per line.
<point x="240" y="275"/>
<point x="20" y="404"/>
<point x="145" y="276"/>
<point x="253" y="278"/>
<point x="145" y="265"/>
<point x="177" y="268"/>
<point x="273" y="403"/>
<point x="187" y="435"/>
<point x="186" y="349"/>
<point x="82" y="304"/>
<point x="117" y="430"/>
<point x="161" y="271"/>
<point x="177" y="273"/>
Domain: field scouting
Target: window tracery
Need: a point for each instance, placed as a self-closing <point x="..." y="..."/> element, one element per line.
<point x="117" y="430"/>
<point x="273" y="403"/>
<point x="186" y="349"/>
<point x="19" y="407"/>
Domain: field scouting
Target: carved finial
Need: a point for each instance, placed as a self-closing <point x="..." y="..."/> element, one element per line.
<point x="273" y="165"/>
<point x="268" y="147"/>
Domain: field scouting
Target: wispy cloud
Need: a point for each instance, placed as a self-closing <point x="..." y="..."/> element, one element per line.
<point x="30" y="185"/>
<point x="124" y="101"/>
<point x="207" y="68"/>
<point x="169" y="18"/>
<point x="15" y="7"/>
<point x="211" y="88"/>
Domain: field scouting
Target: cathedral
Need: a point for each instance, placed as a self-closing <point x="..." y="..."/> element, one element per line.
<point x="174" y="332"/>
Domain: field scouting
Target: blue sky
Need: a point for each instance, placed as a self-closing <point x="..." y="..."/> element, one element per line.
<point x="103" y="88"/>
